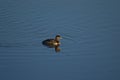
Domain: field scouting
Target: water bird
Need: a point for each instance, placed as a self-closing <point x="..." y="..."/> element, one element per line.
<point x="53" y="43"/>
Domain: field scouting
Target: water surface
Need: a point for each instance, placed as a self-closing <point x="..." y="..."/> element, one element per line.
<point x="90" y="44"/>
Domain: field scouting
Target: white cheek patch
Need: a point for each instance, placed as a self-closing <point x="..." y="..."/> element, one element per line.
<point x="55" y="43"/>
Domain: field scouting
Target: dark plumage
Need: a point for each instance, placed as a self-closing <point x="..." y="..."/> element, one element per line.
<point x="52" y="42"/>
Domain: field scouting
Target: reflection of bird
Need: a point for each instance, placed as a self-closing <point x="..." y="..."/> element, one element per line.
<point x="52" y="42"/>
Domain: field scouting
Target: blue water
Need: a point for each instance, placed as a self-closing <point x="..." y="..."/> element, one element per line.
<point x="90" y="44"/>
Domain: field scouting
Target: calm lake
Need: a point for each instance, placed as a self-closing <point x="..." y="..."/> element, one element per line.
<point x="90" y="44"/>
